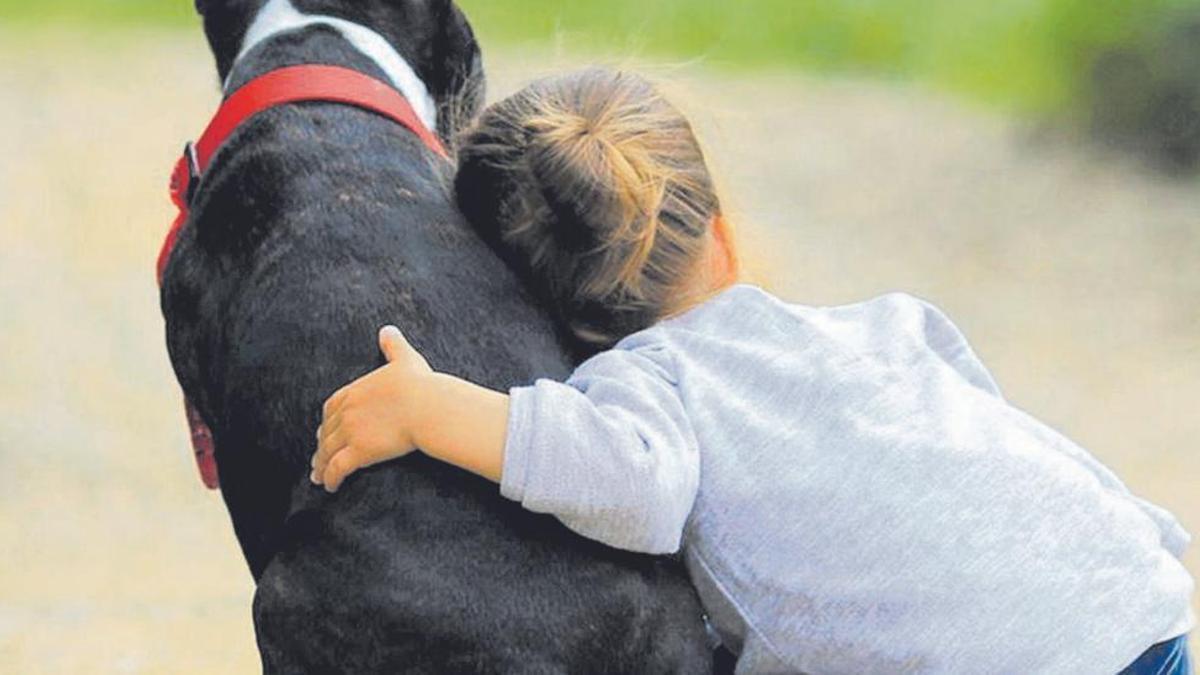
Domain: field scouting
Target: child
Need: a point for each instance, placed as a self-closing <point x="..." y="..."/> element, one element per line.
<point x="851" y="492"/>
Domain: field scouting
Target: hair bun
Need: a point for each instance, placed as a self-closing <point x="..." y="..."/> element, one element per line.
<point x="565" y="162"/>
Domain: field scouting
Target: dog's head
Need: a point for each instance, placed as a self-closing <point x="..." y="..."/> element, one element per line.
<point x="434" y="36"/>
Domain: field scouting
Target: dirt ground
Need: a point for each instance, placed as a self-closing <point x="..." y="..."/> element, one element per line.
<point x="1075" y="276"/>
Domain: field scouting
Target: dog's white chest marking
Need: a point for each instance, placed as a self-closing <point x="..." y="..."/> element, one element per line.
<point x="279" y="16"/>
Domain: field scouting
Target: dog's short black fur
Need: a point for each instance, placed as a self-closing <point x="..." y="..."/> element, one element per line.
<point x="316" y="224"/>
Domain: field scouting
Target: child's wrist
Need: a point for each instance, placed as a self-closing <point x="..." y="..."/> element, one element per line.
<point x="431" y="409"/>
<point x="462" y="424"/>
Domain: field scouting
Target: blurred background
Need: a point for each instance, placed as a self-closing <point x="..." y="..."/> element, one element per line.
<point x="1029" y="165"/>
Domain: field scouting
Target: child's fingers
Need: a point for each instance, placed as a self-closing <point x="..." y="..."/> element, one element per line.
<point x="330" y="433"/>
<point x="326" y="451"/>
<point x="320" y="461"/>
<point x="340" y="467"/>
<point x="334" y="403"/>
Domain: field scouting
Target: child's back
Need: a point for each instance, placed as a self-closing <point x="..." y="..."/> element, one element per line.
<point x="867" y="502"/>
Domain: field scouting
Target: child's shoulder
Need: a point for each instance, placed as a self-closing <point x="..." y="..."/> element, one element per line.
<point x="745" y="307"/>
<point x="751" y="300"/>
<point x="740" y="300"/>
<point x="749" y="314"/>
<point x="739" y="314"/>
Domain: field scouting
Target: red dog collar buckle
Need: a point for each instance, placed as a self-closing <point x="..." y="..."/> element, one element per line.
<point x="292" y="84"/>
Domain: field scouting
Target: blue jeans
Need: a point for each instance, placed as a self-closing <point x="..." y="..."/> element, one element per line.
<point x="1164" y="658"/>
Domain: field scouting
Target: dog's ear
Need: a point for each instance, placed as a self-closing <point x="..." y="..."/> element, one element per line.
<point x="204" y="6"/>
<point x="458" y="83"/>
<point x="225" y="24"/>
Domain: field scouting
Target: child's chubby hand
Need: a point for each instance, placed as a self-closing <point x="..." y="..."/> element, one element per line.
<point x="372" y="419"/>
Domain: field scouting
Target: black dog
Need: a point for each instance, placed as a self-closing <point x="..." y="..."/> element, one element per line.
<point x="315" y="224"/>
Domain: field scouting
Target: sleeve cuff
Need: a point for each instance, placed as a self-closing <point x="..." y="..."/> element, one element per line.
<point x="517" y="444"/>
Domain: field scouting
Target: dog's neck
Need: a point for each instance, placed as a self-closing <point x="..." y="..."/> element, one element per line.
<point x="279" y="16"/>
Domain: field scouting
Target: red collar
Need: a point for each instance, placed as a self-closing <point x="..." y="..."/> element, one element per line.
<point x="278" y="87"/>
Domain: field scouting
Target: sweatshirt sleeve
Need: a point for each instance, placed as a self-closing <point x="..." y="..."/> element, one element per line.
<point x="610" y="452"/>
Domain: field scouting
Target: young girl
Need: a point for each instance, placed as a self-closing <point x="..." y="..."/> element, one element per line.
<point x="850" y="490"/>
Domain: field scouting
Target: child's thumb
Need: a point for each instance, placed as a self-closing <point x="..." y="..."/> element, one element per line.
<point x="392" y="343"/>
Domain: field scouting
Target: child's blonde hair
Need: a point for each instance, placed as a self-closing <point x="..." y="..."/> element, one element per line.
<point x="595" y="185"/>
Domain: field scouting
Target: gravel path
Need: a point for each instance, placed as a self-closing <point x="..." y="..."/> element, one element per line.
<point x="1073" y="274"/>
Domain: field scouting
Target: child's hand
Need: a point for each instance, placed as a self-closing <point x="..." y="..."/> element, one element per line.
<point x="372" y="419"/>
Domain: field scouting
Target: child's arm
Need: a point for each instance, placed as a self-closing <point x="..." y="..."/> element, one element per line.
<point x="610" y="453"/>
<point x="403" y="406"/>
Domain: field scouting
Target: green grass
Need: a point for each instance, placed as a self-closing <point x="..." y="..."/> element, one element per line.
<point x="98" y="12"/>
<point x="1022" y="54"/>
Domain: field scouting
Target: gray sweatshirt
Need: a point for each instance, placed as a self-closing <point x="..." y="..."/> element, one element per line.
<point x="852" y="494"/>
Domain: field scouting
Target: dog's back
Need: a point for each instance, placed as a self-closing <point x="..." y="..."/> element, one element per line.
<point x="314" y="226"/>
